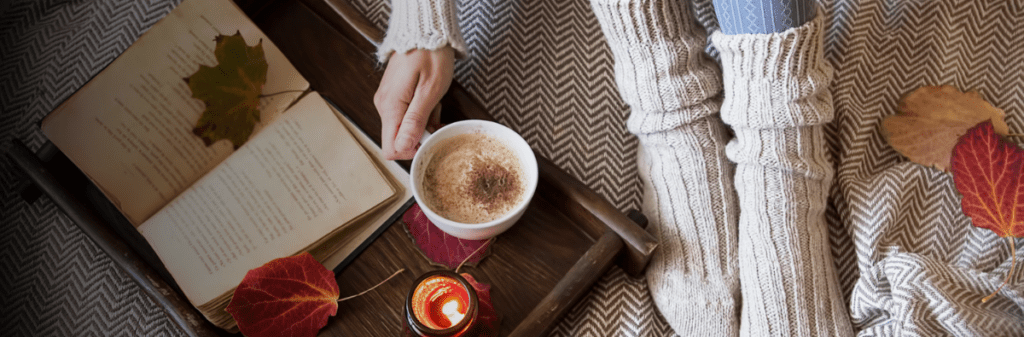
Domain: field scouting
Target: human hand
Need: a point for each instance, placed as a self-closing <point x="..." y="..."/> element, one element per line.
<point x="411" y="88"/>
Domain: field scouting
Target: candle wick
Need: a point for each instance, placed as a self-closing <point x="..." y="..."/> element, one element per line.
<point x="372" y="288"/>
<point x="488" y="243"/>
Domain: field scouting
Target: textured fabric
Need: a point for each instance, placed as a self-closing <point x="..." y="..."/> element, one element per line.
<point x="421" y="24"/>
<point x="917" y="266"/>
<point x="762" y="16"/>
<point x="54" y="281"/>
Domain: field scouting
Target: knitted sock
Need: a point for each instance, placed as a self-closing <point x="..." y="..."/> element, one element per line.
<point x="777" y="99"/>
<point x="673" y="90"/>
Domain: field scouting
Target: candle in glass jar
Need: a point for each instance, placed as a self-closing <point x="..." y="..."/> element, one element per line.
<point x="441" y="303"/>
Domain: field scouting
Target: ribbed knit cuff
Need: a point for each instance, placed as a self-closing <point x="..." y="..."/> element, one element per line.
<point x="659" y="62"/>
<point x="421" y="24"/>
<point x="775" y="80"/>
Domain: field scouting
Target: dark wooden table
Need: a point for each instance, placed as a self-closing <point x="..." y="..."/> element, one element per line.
<point x="566" y="240"/>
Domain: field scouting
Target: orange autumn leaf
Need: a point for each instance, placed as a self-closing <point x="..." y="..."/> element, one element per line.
<point x="931" y="119"/>
<point x="291" y="296"/>
<point x="987" y="171"/>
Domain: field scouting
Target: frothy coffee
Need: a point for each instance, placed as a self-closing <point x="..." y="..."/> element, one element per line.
<point x="472" y="178"/>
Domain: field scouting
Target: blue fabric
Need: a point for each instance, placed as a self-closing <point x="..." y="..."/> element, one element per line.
<point x="762" y="16"/>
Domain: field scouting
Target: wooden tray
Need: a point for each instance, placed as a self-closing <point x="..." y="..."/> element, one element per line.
<point x="567" y="239"/>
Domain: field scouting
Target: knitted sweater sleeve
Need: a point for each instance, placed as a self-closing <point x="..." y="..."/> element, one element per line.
<point x="421" y="24"/>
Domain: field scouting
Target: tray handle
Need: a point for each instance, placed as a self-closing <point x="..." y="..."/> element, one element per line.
<point x="570" y="288"/>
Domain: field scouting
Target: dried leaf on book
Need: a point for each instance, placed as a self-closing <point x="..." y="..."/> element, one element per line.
<point x="931" y="119"/>
<point x="231" y="91"/>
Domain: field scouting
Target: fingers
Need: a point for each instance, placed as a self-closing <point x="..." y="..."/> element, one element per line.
<point x="392" y="100"/>
<point x="428" y="94"/>
<point x="389" y="129"/>
<point x="411" y="88"/>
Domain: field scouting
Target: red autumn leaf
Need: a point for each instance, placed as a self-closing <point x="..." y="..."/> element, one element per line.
<point x="488" y="321"/>
<point x="987" y="171"/>
<point x="291" y="296"/>
<point x="439" y="247"/>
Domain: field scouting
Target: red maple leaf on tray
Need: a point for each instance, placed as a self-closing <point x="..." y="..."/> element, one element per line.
<point x="290" y="296"/>
<point x="987" y="171"/>
<point x="439" y="247"/>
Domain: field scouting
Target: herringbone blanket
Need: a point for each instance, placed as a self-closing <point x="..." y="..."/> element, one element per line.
<point x="542" y="67"/>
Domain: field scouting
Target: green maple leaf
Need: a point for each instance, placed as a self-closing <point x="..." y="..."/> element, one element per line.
<point x="231" y="91"/>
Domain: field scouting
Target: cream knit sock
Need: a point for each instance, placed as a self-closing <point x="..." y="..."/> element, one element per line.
<point x="673" y="90"/>
<point x="777" y="99"/>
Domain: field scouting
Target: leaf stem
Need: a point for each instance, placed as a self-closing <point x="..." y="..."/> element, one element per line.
<point x="488" y="243"/>
<point x="1013" y="261"/>
<point x="280" y="92"/>
<point x="372" y="288"/>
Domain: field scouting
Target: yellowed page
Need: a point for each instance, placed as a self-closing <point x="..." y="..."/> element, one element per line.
<point x="356" y="238"/>
<point x="130" y="128"/>
<point x="296" y="181"/>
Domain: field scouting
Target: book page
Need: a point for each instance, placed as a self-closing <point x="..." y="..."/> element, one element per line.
<point x="130" y="128"/>
<point x="295" y="182"/>
<point x="334" y="253"/>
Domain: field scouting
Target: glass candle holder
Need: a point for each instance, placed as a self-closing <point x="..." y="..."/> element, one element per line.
<point x="441" y="304"/>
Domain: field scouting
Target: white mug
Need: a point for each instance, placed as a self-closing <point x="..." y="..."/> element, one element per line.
<point x="512" y="140"/>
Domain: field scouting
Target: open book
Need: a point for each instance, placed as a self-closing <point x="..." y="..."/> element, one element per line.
<point x="306" y="180"/>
